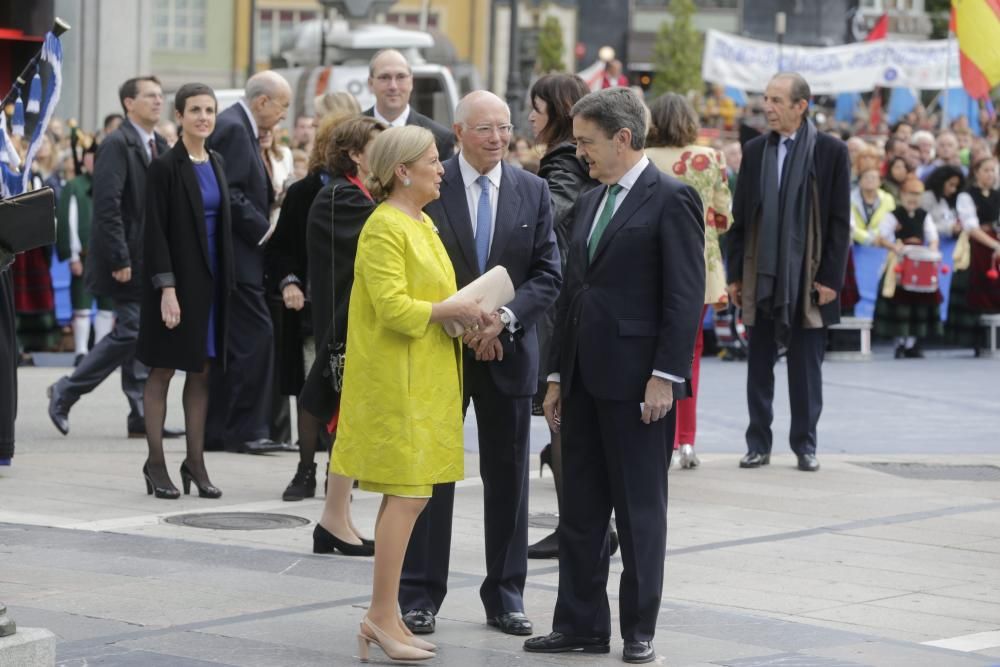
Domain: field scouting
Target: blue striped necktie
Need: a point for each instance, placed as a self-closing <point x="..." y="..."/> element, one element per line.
<point x="484" y="223"/>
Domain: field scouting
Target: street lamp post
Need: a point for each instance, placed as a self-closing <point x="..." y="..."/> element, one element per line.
<point x="514" y="84"/>
<point x="779" y="29"/>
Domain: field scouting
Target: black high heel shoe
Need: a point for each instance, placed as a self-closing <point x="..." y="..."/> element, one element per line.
<point x="165" y="492"/>
<point x="206" y="490"/>
<point x="325" y="542"/>
<point x="545" y="458"/>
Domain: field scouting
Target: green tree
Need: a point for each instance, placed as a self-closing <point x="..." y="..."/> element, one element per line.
<point x="550" y="46"/>
<point x="939" y="12"/>
<point x="677" y="52"/>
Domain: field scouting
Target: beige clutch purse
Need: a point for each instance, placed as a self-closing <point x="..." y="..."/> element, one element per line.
<point x="495" y="288"/>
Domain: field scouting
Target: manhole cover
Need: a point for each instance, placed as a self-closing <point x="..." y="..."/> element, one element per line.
<point x="959" y="473"/>
<point x="237" y="520"/>
<point x="543" y="520"/>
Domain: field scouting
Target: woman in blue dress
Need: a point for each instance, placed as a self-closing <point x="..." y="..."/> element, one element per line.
<point x="189" y="275"/>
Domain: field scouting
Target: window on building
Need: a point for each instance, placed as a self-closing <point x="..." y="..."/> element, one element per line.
<point x="179" y="25"/>
<point x="411" y="20"/>
<point x="276" y="29"/>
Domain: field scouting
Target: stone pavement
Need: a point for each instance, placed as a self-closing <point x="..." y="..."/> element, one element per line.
<point x="872" y="561"/>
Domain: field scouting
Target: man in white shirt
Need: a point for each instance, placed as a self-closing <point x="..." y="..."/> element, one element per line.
<point x="114" y="267"/>
<point x="490" y="214"/>
<point x="390" y="80"/>
<point x="621" y="353"/>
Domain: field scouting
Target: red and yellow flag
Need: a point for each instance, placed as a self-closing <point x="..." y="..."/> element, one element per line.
<point x="977" y="25"/>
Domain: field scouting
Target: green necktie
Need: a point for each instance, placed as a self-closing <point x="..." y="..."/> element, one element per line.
<point x="602" y="222"/>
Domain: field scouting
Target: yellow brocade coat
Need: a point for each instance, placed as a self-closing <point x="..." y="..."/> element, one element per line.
<point x="401" y="409"/>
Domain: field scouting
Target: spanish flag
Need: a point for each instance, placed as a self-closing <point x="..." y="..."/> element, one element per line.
<point x="977" y="25"/>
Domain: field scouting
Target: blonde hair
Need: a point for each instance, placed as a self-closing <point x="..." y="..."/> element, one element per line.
<point x="339" y="102"/>
<point x="396" y="146"/>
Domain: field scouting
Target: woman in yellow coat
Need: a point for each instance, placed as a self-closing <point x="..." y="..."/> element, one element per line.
<point x="400" y="428"/>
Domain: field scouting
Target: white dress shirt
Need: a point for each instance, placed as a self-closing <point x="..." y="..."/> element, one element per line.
<point x="253" y="123"/>
<point x="470" y="178"/>
<point x="627" y="182"/>
<point x="145" y="138"/>
<point x="400" y="119"/>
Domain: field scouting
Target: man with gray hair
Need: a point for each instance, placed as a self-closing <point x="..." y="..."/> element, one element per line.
<point x="621" y="354"/>
<point x="786" y="259"/>
<point x="240" y="404"/>
<point x="390" y="79"/>
<point x="490" y="214"/>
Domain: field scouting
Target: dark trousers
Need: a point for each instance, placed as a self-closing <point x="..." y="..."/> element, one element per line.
<point x="805" y="386"/>
<point x="115" y="350"/>
<point x="239" y="406"/>
<point x="8" y="365"/>
<point x="280" y="421"/>
<point x="504" y="425"/>
<point x="611" y="460"/>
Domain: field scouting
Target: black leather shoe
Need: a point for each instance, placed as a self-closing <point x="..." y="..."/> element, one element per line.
<point x="755" y="460"/>
<point x="557" y="642"/>
<point x="913" y="353"/>
<point x="638" y="652"/>
<point x="420" y="621"/>
<point x="808" y="463"/>
<point x="262" y="446"/>
<point x="512" y="623"/>
<point x="547" y="547"/>
<point x="139" y="431"/>
<point x="58" y="411"/>
<point x="325" y="542"/>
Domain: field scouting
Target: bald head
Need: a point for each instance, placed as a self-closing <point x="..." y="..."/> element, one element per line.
<point x="391" y="81"/>
<point x="268" y="83"/>
<point x="268" y="95"/>
<point x="482" y="126"/>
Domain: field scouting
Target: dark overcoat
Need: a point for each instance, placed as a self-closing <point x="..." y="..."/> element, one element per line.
<point x="176" y="253"/>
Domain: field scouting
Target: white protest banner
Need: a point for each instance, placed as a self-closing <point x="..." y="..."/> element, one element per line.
<point x="748" y="64"/>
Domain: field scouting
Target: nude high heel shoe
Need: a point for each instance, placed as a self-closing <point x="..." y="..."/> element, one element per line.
<point x="394" y="650"/>
<point x="415" y="641"/>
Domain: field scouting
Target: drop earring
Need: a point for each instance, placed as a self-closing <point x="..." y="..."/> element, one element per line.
<point x="407" y="182"/>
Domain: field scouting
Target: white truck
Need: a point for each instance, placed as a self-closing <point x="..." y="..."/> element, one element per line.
<point x="435" y="92"/>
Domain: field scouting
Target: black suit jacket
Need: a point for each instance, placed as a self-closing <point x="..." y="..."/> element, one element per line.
<point x="443" y="137"/>
<point x="635" y="308"/>
<point x="524" y="244"/>
<point x="250" y="191"/>
<point x="833" y="182"/>
<point x="177" y="255"/>
<point x="117" y="226"/>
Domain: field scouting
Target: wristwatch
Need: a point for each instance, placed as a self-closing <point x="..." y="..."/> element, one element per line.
<point x="505" y="319"/>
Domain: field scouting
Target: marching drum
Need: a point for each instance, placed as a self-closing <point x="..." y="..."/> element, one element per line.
<point x="918" y="269"/>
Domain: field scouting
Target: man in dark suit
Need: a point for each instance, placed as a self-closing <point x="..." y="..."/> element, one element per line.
<point x="114" y="264"/>
<point x="622" y="351"/>
<point x="391" y="81"/>
<point x="240" y="405"/>
<point x="490" y="214"/>
<point x="786" y="257"/>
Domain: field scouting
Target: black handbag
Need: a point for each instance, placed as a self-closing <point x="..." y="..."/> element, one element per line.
<point x="335" y="350"/>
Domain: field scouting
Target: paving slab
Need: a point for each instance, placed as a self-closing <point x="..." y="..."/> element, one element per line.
<point x="851" y="566"/>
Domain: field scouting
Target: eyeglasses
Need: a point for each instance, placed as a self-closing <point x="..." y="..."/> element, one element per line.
<point x="387" y="78"/>
<point x="488" y="130"/>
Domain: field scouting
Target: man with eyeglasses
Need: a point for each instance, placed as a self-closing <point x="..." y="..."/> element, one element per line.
<point x="490" y="214"/>
<point x="113" y="267"/>
<point x="391" y="81"/>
